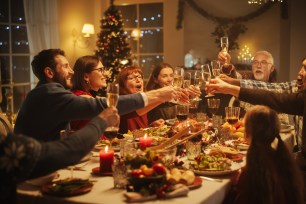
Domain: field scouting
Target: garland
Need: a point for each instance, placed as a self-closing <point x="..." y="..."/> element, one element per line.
<point x="231" y="27"/>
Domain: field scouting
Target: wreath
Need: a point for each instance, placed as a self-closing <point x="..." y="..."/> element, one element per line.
<point x="231" y="27"/>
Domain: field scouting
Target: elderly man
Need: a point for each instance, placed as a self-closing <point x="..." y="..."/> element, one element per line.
<point x="284" y="87"/>
<point x="49" y="107"/>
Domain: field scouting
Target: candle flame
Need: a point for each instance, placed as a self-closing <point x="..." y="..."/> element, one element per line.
<point x="145" y="136"/>
<point x="106" y="148"/>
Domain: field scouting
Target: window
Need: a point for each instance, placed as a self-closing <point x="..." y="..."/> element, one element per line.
<point x="14" y="55"/>
<point x="144" y="26"/>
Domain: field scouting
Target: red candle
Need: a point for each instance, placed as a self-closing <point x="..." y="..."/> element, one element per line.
<point x="106" y="160"/>
<point x="145" y="141"/>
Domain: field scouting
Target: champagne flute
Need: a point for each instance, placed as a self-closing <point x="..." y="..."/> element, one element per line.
<point x="206" y="73"/>
<point x="215" y="67"/>
<point x="187" y="80"/>
<point x="224" y="46"/>
<point x="177" y="80"/>
<point x="112" y="100"/>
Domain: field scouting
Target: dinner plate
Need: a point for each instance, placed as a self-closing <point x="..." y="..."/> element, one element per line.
<point x="196" y="184"/>
<point x="234" y="167"/>
<point x="67" y="188"/>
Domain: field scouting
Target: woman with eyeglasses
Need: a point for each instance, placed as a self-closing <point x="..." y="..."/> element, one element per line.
<point x="88" y="78"/>
<point x="131" y="81"/>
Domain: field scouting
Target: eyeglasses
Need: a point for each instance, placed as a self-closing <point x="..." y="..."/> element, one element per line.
<point x="133" y="78"/>
<point x="262" y="63"/>
<point x="101" y="69"/>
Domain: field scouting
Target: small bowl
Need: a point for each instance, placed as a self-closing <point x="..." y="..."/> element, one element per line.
<point x="150" y="184"/>
<point x="167" y="156"/>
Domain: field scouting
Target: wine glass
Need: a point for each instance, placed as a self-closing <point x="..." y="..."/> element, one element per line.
<point x="112" y="100"/>
<point x="232" y="114"/>
<point x="213" y="105"/>
<point x="182" y="112"/>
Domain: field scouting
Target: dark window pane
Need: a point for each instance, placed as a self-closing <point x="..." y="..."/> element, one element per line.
<point x="20" y="42"/>
<point x="21" y="69"/>
<point x="17" y="11"/>
<point x="4" y="39"/>
<point x="150" y="15"/>
<point x="19" y="95"/>
<point x="129" y="15"/>
<point x="151" y="41"/>
<point x="4" y="11"/>
<point x="147" y="63"/>
<point x="5" y="69"/>
<point x="132" y="42"/>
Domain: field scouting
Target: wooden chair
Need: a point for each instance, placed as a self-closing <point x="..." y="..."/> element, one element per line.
<point x="5" y="125"/>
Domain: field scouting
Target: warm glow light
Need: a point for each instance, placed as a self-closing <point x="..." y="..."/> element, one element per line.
<point x="245" y="56"/>
<point x="145" y="136"/>
<point x="106" y="148"/>
<point x="136" y="34"/>
<point x="88" y="29"/>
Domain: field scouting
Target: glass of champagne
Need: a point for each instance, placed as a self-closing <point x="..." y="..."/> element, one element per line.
<point x="177" y="79"/>
<point x="215" y="68"/>
<point x="224" y="44"/>
<point x="232" y="114"/>
<point x="112" y="100"/>
<point x="213" y="105"/>
<point x="187" y="80"/>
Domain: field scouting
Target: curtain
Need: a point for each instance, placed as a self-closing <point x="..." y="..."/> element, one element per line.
<point x="42" y="26"/>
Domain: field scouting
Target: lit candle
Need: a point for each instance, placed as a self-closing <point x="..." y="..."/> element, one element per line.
<point x="106" y="160"/>
<point x="145" y="141"/>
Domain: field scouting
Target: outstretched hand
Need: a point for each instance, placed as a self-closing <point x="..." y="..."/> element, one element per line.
<point x="219" y="86"/>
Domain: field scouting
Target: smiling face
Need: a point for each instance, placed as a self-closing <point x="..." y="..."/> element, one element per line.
<point x="134" y="83"/>
<point x="63" y="72"/>
<point x="96" y="77"/>
<point x="262" y="66"/>
<point x="301" y="78"/>
<point x="165" y="77"/>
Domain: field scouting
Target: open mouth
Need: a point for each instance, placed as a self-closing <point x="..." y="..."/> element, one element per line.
<point x="138" y="87"/>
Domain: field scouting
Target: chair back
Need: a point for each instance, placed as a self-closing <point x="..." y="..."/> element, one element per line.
<point x="5" y="125"/>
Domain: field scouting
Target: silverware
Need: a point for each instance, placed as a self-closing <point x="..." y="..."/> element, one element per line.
<point x="210" y="179"/>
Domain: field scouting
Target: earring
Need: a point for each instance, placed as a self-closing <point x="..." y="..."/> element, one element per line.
<point x="86" y="82"/>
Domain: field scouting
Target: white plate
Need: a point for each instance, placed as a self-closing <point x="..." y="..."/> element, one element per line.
<point x="235" y="167"/>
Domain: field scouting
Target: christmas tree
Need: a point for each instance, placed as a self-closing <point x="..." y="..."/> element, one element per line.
<point x="113" y="48"/>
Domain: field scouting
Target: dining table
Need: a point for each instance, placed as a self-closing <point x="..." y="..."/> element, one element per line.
<point x="103" y="190"/>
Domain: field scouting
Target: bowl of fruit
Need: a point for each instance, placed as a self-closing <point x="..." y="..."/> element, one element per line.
<point x="147" y="179"/>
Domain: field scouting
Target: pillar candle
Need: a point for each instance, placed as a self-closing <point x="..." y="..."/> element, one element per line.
<point x="145" y="141"/>
<point x="106" y="160"/>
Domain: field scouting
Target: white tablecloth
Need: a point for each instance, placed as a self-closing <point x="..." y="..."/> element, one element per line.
<point x="103" y="191"/>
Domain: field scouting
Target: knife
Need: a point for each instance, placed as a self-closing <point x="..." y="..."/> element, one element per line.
<point x="210" y="179"/>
